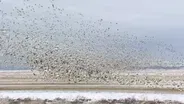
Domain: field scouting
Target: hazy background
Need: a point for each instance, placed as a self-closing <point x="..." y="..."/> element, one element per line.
<point x="163" y="19"/>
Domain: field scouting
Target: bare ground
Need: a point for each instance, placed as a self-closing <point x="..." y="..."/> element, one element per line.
<point x="152" y="80"/>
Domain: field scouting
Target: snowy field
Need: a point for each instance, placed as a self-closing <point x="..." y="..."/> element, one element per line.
<point x="94" y="96"/>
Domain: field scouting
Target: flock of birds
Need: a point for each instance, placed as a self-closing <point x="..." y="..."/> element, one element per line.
<point x="66" y="45"/>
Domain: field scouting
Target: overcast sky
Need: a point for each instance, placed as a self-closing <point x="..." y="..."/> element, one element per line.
<point x="161" y="18"/>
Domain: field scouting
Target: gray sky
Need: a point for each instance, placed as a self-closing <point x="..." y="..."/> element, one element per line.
<point x="165" y="14"/>
<point x="163" y="19"/>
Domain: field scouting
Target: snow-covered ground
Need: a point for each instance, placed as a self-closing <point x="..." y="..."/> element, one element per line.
<point x="72" y="95"/>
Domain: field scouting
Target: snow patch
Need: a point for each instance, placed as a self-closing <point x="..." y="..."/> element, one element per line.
<point x="94" y="96"/>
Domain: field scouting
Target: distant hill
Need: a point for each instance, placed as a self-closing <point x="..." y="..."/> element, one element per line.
<point x="13" y="68"/>
<point x="152" y="67"/>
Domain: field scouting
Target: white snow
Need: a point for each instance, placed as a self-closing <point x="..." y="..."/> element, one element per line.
<point x="72" y="95"/>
